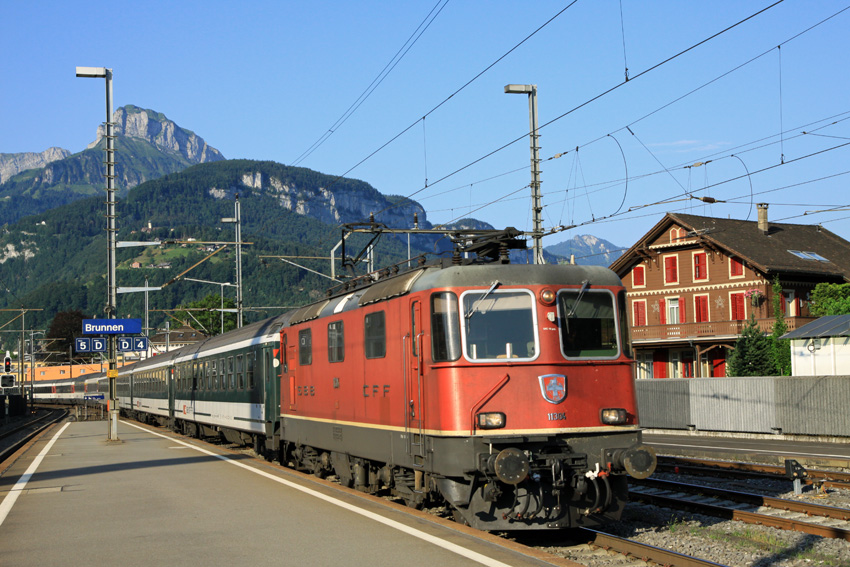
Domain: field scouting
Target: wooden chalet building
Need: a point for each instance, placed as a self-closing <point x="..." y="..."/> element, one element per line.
<point x="693" y="282"/>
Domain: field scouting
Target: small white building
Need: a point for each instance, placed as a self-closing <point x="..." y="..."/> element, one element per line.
<point x="821" y="348"/>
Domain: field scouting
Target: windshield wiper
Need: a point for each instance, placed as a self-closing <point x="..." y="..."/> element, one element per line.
<point x="584" y="285"/>
<point x="482" y="298"/>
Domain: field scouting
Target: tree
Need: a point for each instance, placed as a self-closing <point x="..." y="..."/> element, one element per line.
<point x="753" y="354"/>
<point x="209" y="320"/>
<point x="65" y="327"/>
<point x="830" y="299"/>
<point x="781" y="348"/>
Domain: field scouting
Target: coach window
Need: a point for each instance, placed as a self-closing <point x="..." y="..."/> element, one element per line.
<point x="222" y="373"/>
<point x="375" y="332"/>
<point x="230" y="375"/>
<point x="249" y="369"/>
<point x="499" y="324"/>
<point x="305" y="347"/>
<point x="445" y="328"/>
<point x="336" y="342"/>
<point x="587" y="324"/>
<point x="240" y="374"/>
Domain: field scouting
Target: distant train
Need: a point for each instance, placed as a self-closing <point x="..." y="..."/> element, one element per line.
<point x="504" y="391"/>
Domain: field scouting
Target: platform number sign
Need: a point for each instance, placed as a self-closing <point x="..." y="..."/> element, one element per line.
<point x="85" y="344"/>
<point x="132" y="344"/>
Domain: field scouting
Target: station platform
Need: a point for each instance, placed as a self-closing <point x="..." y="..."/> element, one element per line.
<point x="74" y="498"/>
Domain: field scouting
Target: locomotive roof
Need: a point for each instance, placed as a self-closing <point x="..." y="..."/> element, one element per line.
<point x="516" y="274"/>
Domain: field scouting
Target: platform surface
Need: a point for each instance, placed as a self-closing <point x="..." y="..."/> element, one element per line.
<point x="158" y="499"/>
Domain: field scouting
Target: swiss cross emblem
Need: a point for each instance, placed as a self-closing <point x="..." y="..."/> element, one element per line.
<point x="553" y="387"/>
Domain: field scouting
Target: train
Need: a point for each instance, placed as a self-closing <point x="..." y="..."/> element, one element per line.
<point x="504" y="392"/>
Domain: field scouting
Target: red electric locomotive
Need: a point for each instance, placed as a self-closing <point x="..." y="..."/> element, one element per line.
<point x="505" y="391"/>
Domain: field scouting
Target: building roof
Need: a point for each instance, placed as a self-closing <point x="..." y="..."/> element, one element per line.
<point x="180" y="335"/>
<point x="829" y="326"/>
<point x="784" y="248"/>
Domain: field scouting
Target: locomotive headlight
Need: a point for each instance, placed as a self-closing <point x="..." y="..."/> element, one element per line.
<point x="613" y="416"/>
<point x="547" y="296"/>
<point x="491" y="420"/>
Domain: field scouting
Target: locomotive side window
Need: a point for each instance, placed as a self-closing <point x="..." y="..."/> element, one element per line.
<point x="499" y="324"/>
<point x="587" y="324"/>
<point x="445" y="328"/>
<point x="305" y="347"/>
<point x="336" y="342"/>
<point x="375" y="335"/>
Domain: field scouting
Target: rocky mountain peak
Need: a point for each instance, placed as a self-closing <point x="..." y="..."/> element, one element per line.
<point x="12" y="164"/>
<point x="154" y="128"/>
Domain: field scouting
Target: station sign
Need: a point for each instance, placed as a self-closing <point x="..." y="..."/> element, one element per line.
<point x="132" y="344"/>
<point x="112" y="326"/>
<point x="85" y="344"/>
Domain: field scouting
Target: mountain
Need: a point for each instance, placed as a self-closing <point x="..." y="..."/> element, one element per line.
<point x="149" y="145"/>
<point x="588" y="250"/>
<point x="12" y="164"/>
<point x="56" y="260"/>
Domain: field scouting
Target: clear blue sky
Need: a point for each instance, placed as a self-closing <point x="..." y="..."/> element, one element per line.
<point x="264" y="80"/>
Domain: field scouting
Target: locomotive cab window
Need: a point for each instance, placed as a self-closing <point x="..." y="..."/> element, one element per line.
<point x="375" y="334"/>
<point x="499" y="325"/>
<point x="336" y="342"/>
<point x="588" y="324"/>
<point x="305" y="347"/>
<point x="445" y="329"/>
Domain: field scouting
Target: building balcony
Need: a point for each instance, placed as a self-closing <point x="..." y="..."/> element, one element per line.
<point x="704" y="331"/>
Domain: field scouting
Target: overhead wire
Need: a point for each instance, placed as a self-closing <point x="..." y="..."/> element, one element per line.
<point x="388" y="68"/>
<point x="444" y="101"/>
<point x="582" y="105"/>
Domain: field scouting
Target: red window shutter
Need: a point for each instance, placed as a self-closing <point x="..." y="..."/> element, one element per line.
<point x="659" y="364"/>
<point x="701" y="315"/>
<point x="682" y="318"/>
<point x="670" y="272"/>
<point x="798" y="307"/>
<point x="783" y="305"/>
<point x="639" y="319"/>
<point x="737" y="306"/>
<point x="700" y="271"/>
<point x="638" y="277"/>
<point x="736" y="267"/>
<point x="662" y="311"/>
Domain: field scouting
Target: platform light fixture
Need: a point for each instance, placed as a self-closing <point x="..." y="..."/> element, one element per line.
<point x="536" y="205"/>
<point x="111" y="232"/>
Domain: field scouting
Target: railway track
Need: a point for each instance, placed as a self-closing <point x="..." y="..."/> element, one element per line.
<point x="17" y="435"/>
<point x="805" y="517"/>
<point x="648" y="554"/>
<point x="741" y="470"/>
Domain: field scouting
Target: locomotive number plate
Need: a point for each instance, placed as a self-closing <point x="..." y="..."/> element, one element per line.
<point x="557" y="416"/>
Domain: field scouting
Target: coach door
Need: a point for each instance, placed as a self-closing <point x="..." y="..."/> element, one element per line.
<point x="413" y="381"/>
<point x="289" y="345"/>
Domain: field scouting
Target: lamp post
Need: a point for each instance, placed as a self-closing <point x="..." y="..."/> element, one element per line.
<point x="221" y="295"/>
<point x="537" y="207"/>
<point x="111" y="231"/>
